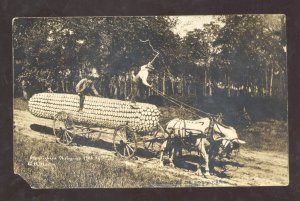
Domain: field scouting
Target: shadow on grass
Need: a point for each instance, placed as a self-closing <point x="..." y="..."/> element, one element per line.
<point x="91" y="142"/>
<point x="220" y="167"/>
<point x="217" y="167"/>
<point x="96" y="143"/>
<point x="77" y="140"/>
<point x="42" y="129"/>
<point x="141" y="152"/>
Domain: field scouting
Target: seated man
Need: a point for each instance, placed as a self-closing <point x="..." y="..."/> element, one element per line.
<point x="140" y="79"/>
<point x="86" y="87"/>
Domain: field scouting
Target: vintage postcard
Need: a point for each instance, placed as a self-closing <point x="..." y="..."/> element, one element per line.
<point x="161" y="101"/>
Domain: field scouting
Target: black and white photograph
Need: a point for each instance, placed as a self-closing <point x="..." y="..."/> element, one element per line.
<point x="150" y="101"/>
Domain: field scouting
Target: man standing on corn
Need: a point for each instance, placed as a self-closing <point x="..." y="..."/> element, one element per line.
<point x="86" y="87"/>
<point x="140" y="79"/>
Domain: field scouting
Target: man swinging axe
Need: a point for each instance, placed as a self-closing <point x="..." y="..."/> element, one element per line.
<point x="140" y="79"/>
<point x="86" y="87"/>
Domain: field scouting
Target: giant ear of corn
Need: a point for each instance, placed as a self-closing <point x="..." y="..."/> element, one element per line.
<point x="102" y="112"/>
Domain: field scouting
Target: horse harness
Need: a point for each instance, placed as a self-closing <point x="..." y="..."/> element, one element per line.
<point x="214" y="143"/>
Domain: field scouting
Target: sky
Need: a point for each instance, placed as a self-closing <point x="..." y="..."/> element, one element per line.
<point x="189" y="23"/>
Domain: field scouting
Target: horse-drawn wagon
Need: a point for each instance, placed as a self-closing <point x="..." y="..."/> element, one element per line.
<point x="130" y="121"/>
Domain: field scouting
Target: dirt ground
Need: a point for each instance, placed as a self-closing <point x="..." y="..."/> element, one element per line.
<point x="249" y="168"/>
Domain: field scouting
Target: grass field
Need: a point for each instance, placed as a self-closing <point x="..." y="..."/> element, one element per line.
<point x="55" y="166"/>
<point x="20" y="104"/>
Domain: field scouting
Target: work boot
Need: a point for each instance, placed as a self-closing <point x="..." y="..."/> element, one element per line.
<point x="134" y="106"/>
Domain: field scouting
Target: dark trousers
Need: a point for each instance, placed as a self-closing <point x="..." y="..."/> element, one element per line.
<point x="82" y="97"/>
<point x="134" y="91"/>
<point x="137" y="88"/>
<point x="81" y="101"/>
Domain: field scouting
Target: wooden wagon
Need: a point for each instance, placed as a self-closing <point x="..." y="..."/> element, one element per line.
<point x="130" y="121"/>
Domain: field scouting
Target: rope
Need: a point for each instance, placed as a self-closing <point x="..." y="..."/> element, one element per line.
<point x="145" y="41"/>
<point x="154" y="50"/>
<point x="176" y="103"/>
<point x="157" y="53"/>
<point x="180" y="104"/>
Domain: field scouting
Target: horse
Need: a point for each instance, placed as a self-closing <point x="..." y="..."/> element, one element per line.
<point x="208" y="133"/>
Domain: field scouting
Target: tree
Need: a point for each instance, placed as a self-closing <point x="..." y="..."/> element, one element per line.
<point x="57" y="51"/>
<point x="198" y="50"/>
<point x="251" y="50"/>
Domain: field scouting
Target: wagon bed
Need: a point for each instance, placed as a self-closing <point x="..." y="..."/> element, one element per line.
<point x="127" y="119"/>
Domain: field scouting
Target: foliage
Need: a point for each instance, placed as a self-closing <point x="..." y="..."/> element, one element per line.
<point x="252" y="49"/>
<point x="236" y="50"/>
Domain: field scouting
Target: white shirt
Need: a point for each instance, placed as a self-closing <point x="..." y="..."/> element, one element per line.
<point x="143" y="74"/>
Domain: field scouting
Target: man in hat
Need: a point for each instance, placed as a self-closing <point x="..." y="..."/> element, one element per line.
<point x="86" y="87"/>
<point x="140" y="79"/>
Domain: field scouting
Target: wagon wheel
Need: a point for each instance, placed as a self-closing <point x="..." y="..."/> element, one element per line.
<point x="125" y="142"/>
<point x="155" y="139"/>
<point x="63" y="128"/>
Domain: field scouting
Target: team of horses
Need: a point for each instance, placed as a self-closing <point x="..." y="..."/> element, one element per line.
<point x="209" y="137"/>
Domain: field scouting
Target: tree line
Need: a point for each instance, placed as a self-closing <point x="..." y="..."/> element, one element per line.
<point x="235" y="55"/>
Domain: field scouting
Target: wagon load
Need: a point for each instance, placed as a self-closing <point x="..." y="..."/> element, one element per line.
<point x="109" y="113"/>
